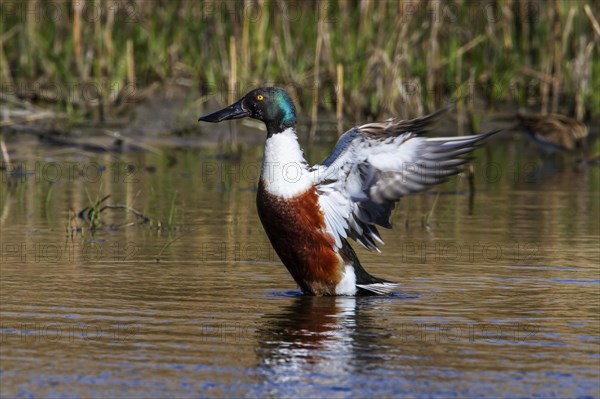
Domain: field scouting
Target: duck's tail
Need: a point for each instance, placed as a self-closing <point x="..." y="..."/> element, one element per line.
<point x="366" y="284"/>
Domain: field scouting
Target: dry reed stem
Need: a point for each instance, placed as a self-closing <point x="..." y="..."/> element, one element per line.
<point x="232" y="84"/>
<point x="77" y="8"/>
<point x="433" y="62"/>
<point x="593" y="20"/>
<point x="544" y="77"/>
<point x="507" y="23"/>
<point x="339" y="108"/>
<point x="108" y="30"/>
<point x="460" y="109"/>
<point x="131" y="77"/>
<point x="28" y="118"/>
<point x="6" y="76"/>
<point x="5" y="155"/>
<point x="557" y="58"/>
<point x="246" y="43"/>
<point x="315" y="97"/>
<point x="231" y="95"/>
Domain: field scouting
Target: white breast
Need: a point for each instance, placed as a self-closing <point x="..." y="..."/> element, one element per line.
<point x="284" y="169"/>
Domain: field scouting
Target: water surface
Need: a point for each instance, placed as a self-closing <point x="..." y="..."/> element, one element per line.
<point x="497" y="298"/>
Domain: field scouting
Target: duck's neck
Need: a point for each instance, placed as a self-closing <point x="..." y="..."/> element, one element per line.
<point x="284" y="170"/>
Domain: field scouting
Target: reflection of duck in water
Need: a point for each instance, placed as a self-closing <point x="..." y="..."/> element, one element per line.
<point x="315" y="336"/>
<point x="554" y="132"/>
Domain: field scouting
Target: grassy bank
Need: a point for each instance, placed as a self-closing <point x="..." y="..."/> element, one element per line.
<point x="388" y="57"/>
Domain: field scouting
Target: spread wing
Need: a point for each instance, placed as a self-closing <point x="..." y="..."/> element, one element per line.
<point x="372" y="166"/>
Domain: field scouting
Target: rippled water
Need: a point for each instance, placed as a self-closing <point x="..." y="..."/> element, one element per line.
<point x="498" y="300"/>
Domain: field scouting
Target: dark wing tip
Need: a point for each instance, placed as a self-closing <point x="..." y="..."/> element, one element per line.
<point x="396" y="126"/>
<point x="484" y="136"/>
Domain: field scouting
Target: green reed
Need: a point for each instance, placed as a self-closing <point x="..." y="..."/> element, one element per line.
<point x="396" y="57"/>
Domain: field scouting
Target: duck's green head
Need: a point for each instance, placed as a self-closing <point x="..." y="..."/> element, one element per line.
<point x="271" y="105"/>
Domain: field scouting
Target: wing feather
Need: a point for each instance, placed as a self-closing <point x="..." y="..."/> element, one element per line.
<point x="372" y="166"/>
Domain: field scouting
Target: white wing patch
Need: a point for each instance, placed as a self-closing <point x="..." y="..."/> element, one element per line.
<point x="337" y="210"/>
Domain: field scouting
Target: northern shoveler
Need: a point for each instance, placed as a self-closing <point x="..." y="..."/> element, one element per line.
<point x="554" y="132"/>
<point x="309" y="212"/>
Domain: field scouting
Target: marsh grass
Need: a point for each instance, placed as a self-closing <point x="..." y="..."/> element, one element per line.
<point x="92" y="213"/>
<point x="94" y="216"/>
<point x="395" y="57"/>
<point x="172" y="219"/>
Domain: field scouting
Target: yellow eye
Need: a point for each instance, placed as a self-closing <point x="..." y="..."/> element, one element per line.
<point x="260" y="97"/>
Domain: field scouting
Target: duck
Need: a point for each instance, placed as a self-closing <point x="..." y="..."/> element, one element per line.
<point x="554" y="133"/>
<point x="310" y="213"/>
